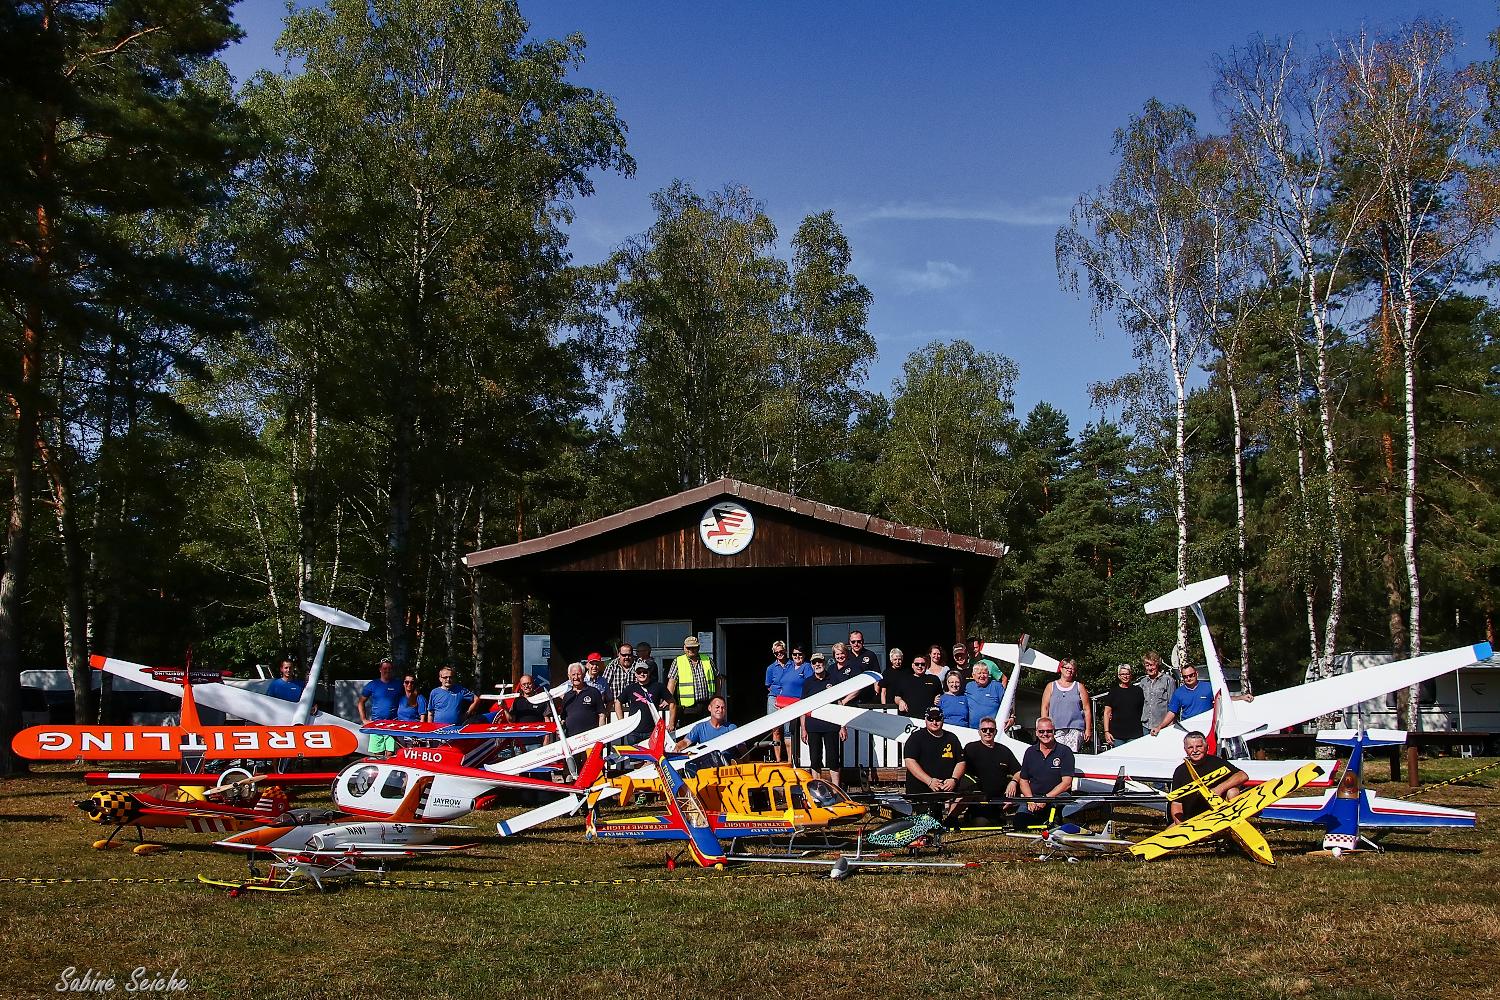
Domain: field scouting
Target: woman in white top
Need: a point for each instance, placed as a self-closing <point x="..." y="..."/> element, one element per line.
<point x="1066" y="702"/>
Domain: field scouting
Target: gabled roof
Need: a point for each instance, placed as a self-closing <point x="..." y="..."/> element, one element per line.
<point x="700" y="495"/>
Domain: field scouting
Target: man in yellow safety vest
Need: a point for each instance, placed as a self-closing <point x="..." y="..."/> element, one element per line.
<point x="691" y="681"/>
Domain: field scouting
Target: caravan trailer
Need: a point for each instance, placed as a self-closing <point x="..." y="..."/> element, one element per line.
<point x="1466" y="700"/>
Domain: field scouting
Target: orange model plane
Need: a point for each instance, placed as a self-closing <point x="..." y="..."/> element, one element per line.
<point x="189" y="741"/>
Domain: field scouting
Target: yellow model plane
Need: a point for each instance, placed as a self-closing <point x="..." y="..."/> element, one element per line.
<point x="1232" y="817"/>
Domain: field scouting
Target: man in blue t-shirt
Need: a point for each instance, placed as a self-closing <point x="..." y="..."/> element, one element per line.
<point x="379" y="698"/>
<point x="717" y="724"/>
<point x="1192" y="697"/>
<point x="286" y="687"/>
<point x="450" y="703"/>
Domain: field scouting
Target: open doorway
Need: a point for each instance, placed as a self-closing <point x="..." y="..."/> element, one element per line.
<point x="744" y="650"/>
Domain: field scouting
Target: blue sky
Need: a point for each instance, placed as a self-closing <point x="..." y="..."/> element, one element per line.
<point x="950" y="140"/>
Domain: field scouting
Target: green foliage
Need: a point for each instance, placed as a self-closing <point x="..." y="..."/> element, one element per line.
<point x="946" y="456"/>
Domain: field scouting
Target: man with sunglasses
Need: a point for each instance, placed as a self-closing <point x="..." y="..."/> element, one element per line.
<point x="935" y="766"/>
<point x="916" y="691"/>
<point x="619" y="673"/>
<point x="1193" y="696"/>
<point x="993" y="769"/>
<point x="1046" y="773"/>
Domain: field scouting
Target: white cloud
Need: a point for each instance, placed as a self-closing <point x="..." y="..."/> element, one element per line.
<point x="933" y="276"/>
<point x="1047" y="210"/>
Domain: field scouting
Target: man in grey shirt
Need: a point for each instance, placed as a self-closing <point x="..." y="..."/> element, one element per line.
<point x="1157" y="686"/>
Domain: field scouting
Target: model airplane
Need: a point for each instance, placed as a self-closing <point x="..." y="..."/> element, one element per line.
<point x="1348" y="810"/>
<point x="1279" y="710"/>
<point x="1062" y="840"/>
<point x="1153" y="758"/>
<point x="189" y="741"/>
<point x="253" y="705"/>
<point x="319" y="854"/>
<point x="1231" y="817"/>
<point x="791" y="712"/>
<point x="240" y="806"/>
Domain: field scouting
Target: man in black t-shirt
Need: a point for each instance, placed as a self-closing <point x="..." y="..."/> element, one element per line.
<point x="637" y="697"/>
<point x="1221" y="776"/>
<point x="935" y="764"/>
<point x="916" y="691"/>
<point x="860" y="657"/>
<point x="1123" y="705"/>
<point x="992" y="768"/>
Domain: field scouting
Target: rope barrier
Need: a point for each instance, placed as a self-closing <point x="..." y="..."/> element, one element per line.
<point x="1451" y="781"/>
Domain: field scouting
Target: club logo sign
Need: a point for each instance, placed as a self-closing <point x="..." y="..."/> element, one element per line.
<point x="726" y="528"/>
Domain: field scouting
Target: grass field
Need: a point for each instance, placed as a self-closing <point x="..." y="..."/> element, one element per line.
<point x="1422" y="920"/>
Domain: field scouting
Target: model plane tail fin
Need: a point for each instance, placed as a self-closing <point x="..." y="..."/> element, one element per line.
<point x="592" y="770"/>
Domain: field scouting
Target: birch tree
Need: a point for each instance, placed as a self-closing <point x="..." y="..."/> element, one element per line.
<point x="1138" y="247"/>
<point x="1282" y="109"/>
<point x="1413" y="129"/>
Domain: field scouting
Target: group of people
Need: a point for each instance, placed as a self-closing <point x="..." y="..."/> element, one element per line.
<point x="967" y="691"/>
<point x="985" y="780"/>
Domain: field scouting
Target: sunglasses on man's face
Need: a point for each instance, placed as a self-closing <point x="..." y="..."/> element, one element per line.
<point x="1045" y="732"/>
<point x="986" y="729"/>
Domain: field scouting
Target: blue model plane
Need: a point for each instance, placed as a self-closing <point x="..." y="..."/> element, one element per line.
<point x="1349" y="808"/>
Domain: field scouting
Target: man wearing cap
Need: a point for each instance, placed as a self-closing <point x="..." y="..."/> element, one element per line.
<point x="643" y="655"/>
<point x="637" y="698"/>
<point x="825" y="740"/>
<point x="961" y="662"/>
<point x="692" y="681"/>
<point x="935" y="765"/>
<point x="593" y="676"/>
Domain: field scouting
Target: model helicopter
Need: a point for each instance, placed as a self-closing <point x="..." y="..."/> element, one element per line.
<point x="688" y="819"/>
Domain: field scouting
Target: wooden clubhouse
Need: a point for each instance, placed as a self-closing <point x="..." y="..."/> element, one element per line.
<point x="739" y="566"/>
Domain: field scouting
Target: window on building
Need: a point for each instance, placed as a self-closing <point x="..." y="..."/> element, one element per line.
<point x="827" y="631"/>
<point x="664" y="637"/>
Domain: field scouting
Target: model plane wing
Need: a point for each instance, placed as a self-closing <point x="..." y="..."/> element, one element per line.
<point x="239" y="702"/>
<point x="1278" y="710"/>
<point x="461" y="731"/>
